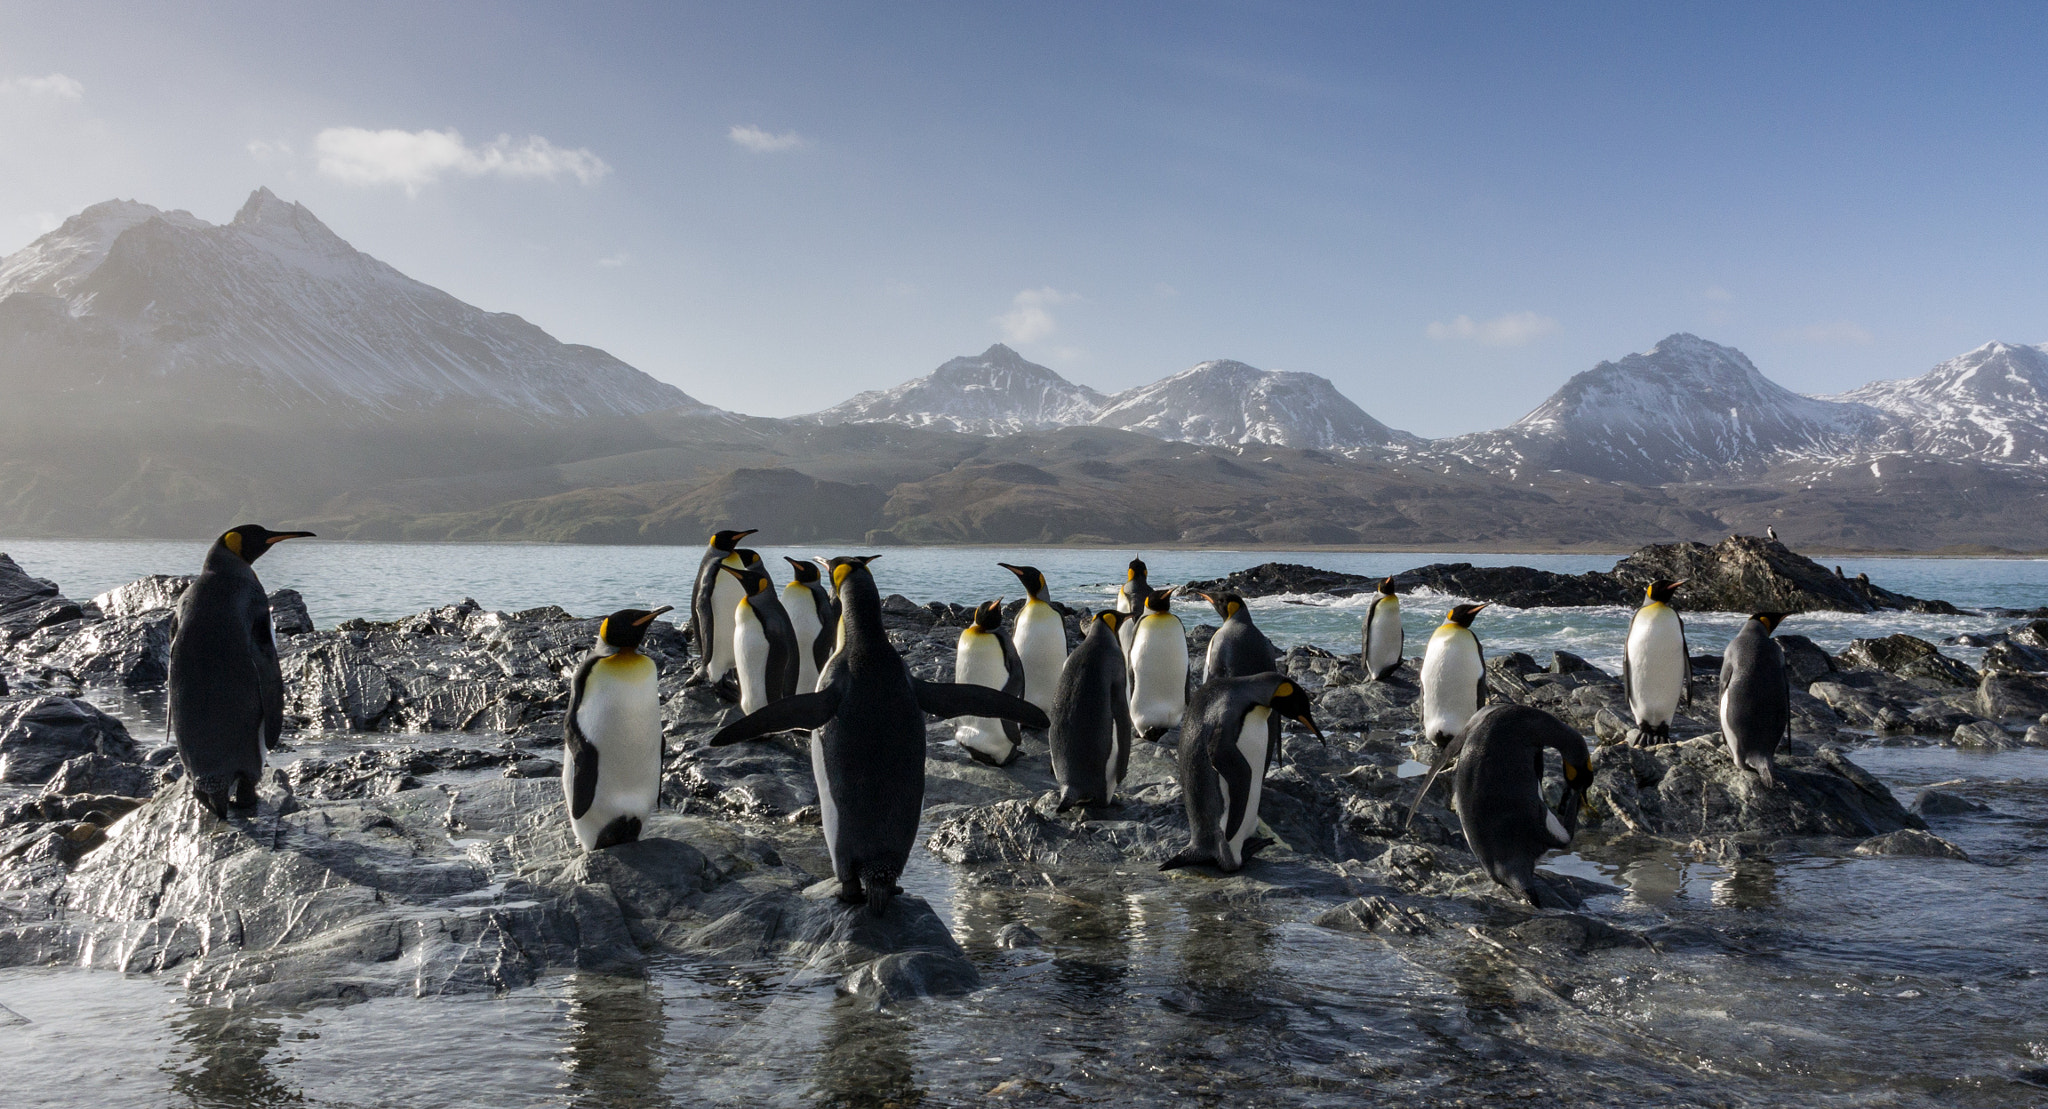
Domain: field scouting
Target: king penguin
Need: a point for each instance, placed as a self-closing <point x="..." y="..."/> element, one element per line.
<point x="1159" y="668"/>
<point x="1130" y="600"/>
<point x="1384" y="637"/>
<point x="1500" y="801"/>
<point x="1656" y="671"/>
<point x="611" y="736"/>
<point x="867" y="739"/>
<point x="1453" y="676"/>
<point x="985" y="656"/>
<point x="1238" y="648"/>
<point x="764" y="645"/>
<point x="226" y="692"/>
<point x="1756" y="696"/>
<point x="1041" y="638"/>
<point x="1091" y="718"/>
<point x="1224" y="751"/>
<point x="711" y="604"/>
<point x="814" y="614"/>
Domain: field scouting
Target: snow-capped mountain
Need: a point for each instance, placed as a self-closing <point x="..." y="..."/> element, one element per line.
<point x="1229" y="403"/>
<point x="1990" y="405"/>
<point x="126" y="307"/>
<point x="1684" y="409"/>
<point x="995" y="392"/>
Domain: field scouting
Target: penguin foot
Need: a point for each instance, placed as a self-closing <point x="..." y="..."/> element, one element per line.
<point x="215" y="804"/>
<point x="624" y="828"/>
<point x="1253" y="846"/>
<point x="986" y="759"/>
<point x="1188" y="857"/>
<point x="245" y="795"/>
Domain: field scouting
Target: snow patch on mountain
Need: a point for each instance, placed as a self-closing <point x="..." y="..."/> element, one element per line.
<point x="1990" y="405"/>
<point x="996" y="392"/>
<point x="1229" y="403"/>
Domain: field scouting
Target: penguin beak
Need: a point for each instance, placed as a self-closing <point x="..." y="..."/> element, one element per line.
<point x="649" y="618"/>
<point x="1305" y="721"/>
<point x="742" y="535"/>
<point x="1680" y="582"/>
<point x="281" y="536"/>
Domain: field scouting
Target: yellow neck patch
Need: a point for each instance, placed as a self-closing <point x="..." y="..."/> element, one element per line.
<point x="233" y="542"/>
<point x="839" y="573"/>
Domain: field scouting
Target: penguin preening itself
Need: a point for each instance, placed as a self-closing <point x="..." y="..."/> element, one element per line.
<point x="226" y="692"/>
<point x="1453" y="676"/>
<point x="1500" y="800"/>
<point x="1091" y="719"/>
<point x="1224" y="750"/>
<point x="1384" y="637"/>
<point x="985" y="656"/>
<point x="1756" y="695"/>
<point x="1239" y="648"/>
<point x="1159" y="668"/>
<point x="611" y="736"/>
<point x="1130" y="600"/>
<point x="764" y="644"/>
<point x="711" y="604"/>
<point x="1656" y="670"/>
<point x="814" y="614"/>
<point x="867" y="739"/>
<point x="1041" y="638"/>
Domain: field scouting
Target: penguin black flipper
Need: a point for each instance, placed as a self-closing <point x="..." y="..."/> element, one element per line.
<point x="582" y="753"/>
<point x="1013" y="665"/>
<point x="1444" y="760"/>
<point x="803" y="712"/>
<point x="269" y="680"/>
<point x="1480" y="648"/>
<point x="1685" y="650"/>
<point x="947" y="700"/>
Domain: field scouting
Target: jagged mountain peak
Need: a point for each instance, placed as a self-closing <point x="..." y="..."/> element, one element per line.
<point x="997" y="392"/>
<point x="1224" y="401"/>
<point x="1989" y="404"/>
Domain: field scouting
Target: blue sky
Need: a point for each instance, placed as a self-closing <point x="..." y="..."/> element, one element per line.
<point x="1446" y="209"/>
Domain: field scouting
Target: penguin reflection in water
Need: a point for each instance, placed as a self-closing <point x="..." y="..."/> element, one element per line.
<point x="1656" y="668"/>
<point x="1497" y="790"/>
<point x="986" y="657"/>
<point x="1091" y="718"/>
<point x="611" y="736"/>
<point x="867" y="739"/>
<point x="1453" y="676"/>
<point x="1756" y="696"/>
<point x="1224" y="751"/>
<point x="226" y="692"/>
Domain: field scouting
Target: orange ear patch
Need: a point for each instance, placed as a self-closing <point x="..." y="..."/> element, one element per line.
<point x="1284" y="689"/>
<point x="233" y="541"/>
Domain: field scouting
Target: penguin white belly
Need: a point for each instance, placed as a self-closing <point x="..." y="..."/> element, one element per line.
<point x="1451" y="670"/>
<point x="803" y="616"/>
<point x="1041" y="639"/>
<point x="620" y="716"/>
<point x="750" y="656"/>
<point x="979" y="661"/>
<point x="1252" y="739"/>
<point x="725" y="595"/>
<point x="1159" y="673"/>
<point x="1385" y="648"/>
<point x="1657" y="664"/>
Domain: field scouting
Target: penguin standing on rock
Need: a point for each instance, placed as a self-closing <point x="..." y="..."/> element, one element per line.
<point x="1500" y="801"/>
<point x="985" y="656"/>
<point x="814" y="614"/>
<point x="867" y="739"/>
<point x="226" y="692"/>
<point x="1453" y="676"/>
<point x="1656" y="669"/>
<point x="1091" y="718"/>
<point x="1384" y="637"/>
<point x="1130" y="600"/>
<point x="1771" y="534"/>
<point x="1756" y="696"/>
<point x="611" y="736"/>
<point x="1223" y="755"/>
<point x="711" y="605"/>
<point x="1159" y="668"/>
<point x="1041" y="638"/>
<point x="764" y="644"/>
<point x="1238" y="648"/>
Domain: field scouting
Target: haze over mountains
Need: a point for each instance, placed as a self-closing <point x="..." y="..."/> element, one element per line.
<point x="265" y="368"/>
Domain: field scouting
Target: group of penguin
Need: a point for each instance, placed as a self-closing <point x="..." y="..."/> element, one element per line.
<point x="817" y="659"/>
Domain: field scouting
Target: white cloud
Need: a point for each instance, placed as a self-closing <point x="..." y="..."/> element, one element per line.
<point x="765" y="142"/>
<point x="1512" y="330"/>
<point x="615" y="261"/>
<point x="56" y="86"/>
<point x="1717" y="293"/>
<point x="1832" y="333"/>
<point x="415" y="159"/>
<point x="265" y="151"/>
<point x="1028" y="320"/>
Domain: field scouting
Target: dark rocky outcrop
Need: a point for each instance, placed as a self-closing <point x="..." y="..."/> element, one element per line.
<point x="1692" y="789"/>
<point x="38" y="735"/>
<point x="1907" y="657"/>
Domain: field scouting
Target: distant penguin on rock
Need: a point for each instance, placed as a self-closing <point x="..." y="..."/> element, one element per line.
<point x="1656" y="667"/>
<point x="1384" y="637"/>
<point x="1130" y="600"/>
<point x="1159" y="668"/>
<point x="814" y="615"/>
<point x="764" y="645"/>
<point x="867" y="739"/>
<point x="1453" y="676"/>
<point x="711" y="606"/>
<point x="1756" y="695"/>
<point x="1040" y="637"/>
<point x="985" y="656"/>
<point x="1091" y="719"/>
<point x="225" y="689"/>
<point x="611" y="735"/>
<point x="1225" y="748"/>
<point x="1238" y="649"/>
<point x="1771" y="534"/>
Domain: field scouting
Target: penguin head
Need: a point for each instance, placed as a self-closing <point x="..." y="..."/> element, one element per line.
<point x="1136" y="571"/>
<point x="727" y="540"/>
<point x="1034" y="582"/>
<point x="1770" y="620"/>
<point x="801" y="571"/>
<point x="1159" y="600"/>
<point x="749" y="559"/>
<point x="250" y="540"/>
<point x="1386" y="587"/>
<point x="623" y="630"/>
<point x="1463" y="614"/>
<point x="1291" y="701"/>
<point x="754" y="580"/>
<point x="1659" y="591"/>
<point x="850" y="567"/>
<point x="988" y="616"/>
<point x="1226" y="605"/>
<point x="1111" y="618"/>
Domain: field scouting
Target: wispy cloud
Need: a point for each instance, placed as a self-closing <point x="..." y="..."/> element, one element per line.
<point x="765" y="142"/>
<point x="615" y="261"/>
<point x="1831" y="333"/>
<point x="1029" y="318"/>
<point x="1718" y="294"/>
<point x="416" y="159"/>
<point x="264" y="150"/>
<point x="55" y="86"/>
<point x="1512" y="330"/>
